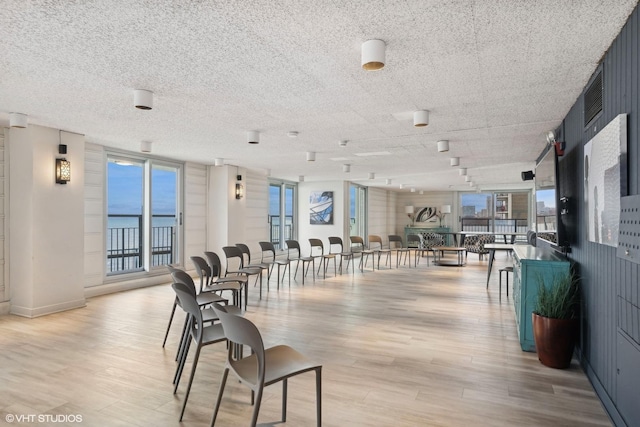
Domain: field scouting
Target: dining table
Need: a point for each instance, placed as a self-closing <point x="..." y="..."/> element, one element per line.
<point x="492" y="248"/>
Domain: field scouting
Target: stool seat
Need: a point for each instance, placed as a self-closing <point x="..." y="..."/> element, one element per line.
<point x="505" y="270"/>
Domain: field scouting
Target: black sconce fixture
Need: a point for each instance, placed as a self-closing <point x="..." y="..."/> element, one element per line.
<point x="239" y="188"/>
<point x="63" y="167"/>
<point x="527" y="175"/>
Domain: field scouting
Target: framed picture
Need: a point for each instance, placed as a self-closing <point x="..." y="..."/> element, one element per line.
<point x="426" y="214"/>
<point x="605" y="181"/>
<point x="321" y="207"/>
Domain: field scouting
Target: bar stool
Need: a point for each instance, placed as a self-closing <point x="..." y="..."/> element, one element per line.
<point x="505" y="270"/>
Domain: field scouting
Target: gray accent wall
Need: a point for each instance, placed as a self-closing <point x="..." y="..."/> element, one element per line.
<point x="609" y="347"/>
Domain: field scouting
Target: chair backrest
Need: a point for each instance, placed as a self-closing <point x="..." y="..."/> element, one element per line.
<point x="293" y="245"/>
<point x="246" y="253"/>
<point x="357" y="244"/>
<point x="375" y="241"/>
<point x="316" y="243"/>
<point x="171" y="268"/>
<point x="395" y="241"/>
<point x="203" y="270"/>
<point x="183" y="277"/>
<point x="268" y="252"/>
<point x="214" y="263"/>
<point x="335" y="241"/>
<point x="230" y="253"/>
<point x="239" y="330"/>
<point x="190" y="305"/>
<point x="413" y="240"/>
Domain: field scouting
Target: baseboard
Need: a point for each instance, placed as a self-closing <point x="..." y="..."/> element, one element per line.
<point x="49" y="309"/>
<point x="5" y="308"/>
<point x="126" y="285"/>
<point x="606" y="401"/>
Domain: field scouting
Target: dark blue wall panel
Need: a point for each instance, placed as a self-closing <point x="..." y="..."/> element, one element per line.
<point x="610" y="285"/>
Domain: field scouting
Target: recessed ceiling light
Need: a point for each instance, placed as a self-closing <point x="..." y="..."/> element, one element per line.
<point x="373" y="55"/>
<point x="253" y="137"/>
<point x="343" y="143"/>
<point x="143" y="99"/>
<point x="421" y="118"/>
<point x="18" y="120"/>
<point x="292" y="134"/>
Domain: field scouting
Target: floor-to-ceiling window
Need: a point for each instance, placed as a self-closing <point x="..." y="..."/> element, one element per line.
<point x="357" y="210"/>
<point x="143" y="213"/>
<point x="499" y="211"/>
<point x="282" y="212"/>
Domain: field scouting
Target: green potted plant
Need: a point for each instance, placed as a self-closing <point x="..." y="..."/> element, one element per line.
<point x="555" y="320"/>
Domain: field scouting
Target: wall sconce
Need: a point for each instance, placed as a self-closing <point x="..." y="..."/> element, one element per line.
<point x="409" y="211"/>
<point x="63" y="167"/>
<point x="239" y="188"/>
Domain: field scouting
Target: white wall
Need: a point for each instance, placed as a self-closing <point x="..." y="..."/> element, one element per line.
<point x="4" y="206"/>
<point x="308" y="231"/>
<point x="46" y="270"/>
<point x="379" y="222"/>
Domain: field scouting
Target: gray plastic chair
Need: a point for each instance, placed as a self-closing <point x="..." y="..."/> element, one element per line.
<point x="199" y="334"/>
<point x="234" y="253"/>
<point x="357" y="246"/>
<point x="324" y="258"/>
<point x="293" y="245"/>
<point x="396" y="244"/>
<point x="269" y="257"/>
<point x="235" y="284"/>
<point x="264" y="367"/>
<point x="348" y="255"/>
<point x="375" y="244"/>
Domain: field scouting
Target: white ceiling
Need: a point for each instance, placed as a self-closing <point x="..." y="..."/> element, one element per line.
<point x="495" y="75"/>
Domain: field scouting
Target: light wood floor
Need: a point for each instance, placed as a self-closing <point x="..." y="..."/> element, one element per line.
<point x="402" y="347"/>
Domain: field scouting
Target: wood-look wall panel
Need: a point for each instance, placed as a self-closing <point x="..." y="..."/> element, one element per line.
<point x="94" y="215"/>
<point x="195" y="208"/>
<point x="4" y="294"/>
<point x="609" y="285"/>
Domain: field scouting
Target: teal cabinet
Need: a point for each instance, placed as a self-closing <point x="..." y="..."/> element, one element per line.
<point x="531" y="264"/>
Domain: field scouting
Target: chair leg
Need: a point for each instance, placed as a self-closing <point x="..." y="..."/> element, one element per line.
<point x="193" y="372"/>
<point x="319" y="395"/>
<point x="284" y="400"/>
<point x="219" y="399"/>
<point x="180" y="368"/>
<point x="173" y="310"/>
<point x="182" y="340"/>
<point x="256" y="408"/>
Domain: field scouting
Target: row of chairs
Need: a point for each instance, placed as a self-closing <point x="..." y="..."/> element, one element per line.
<point x="209" y="322"/>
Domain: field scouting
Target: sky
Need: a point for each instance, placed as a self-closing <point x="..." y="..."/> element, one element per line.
<point x="125" y="191"/>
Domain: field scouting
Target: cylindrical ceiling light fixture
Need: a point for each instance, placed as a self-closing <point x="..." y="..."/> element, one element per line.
<point x="372" y="175"/>
<point x="18" y="120"/>
<point x="470" y="183"/>
<point x="401" y="186"/>
<point x="413" y="190"/>
<point x="443" y="146"/>
<point x="462" y="171"/>
<point x="311" y="156"/>
<point x="218" y="162"/>
<point x="388" y="181"/>
<point x="373" y="55"/>
<point x="420" y="118"/>
<point x="421" y="192"/>
<point x="454" y="161"/>
<point x="253" y="137"/>
<point x="343" y="143"/>
<point x="301" y="178"/>
<point x="145" y="146"/>
<point x="346" y="168"/>
<point x="143" y="99"/>
<point x="467" y="178"/>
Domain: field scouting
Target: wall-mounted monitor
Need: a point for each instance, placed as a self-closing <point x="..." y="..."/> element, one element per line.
<point x="549" y="226"/>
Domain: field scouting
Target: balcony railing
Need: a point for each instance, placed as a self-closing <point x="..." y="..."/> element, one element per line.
<point x="125" y="242"/>
<point x="494" y="225"/>
<point x="274" y="228"/>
